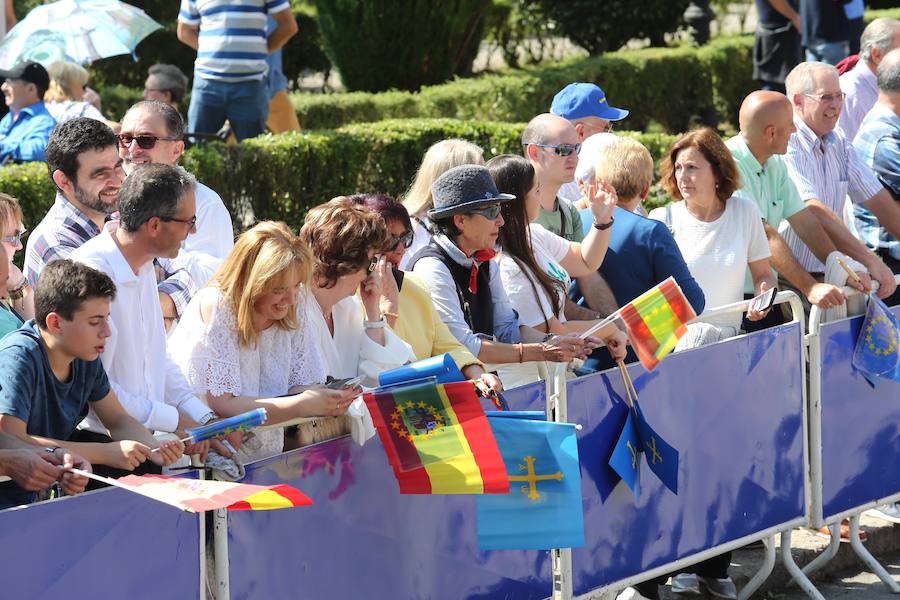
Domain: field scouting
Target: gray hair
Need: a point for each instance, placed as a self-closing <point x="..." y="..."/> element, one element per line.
<point x="801" y="78"/>
<point x="879" y="34"/>
<point x="154" y="190"/>
<point x="889" y="72"/>
<point x="171" y="117"/>
<point x="591" y="150"/>
<point x="170" y="79"/>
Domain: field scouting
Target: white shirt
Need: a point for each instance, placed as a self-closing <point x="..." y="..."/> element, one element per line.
<point x="213" y="360"/>
<point x="861" y="87"/>
<point x="717" y="252"/>
<point x="148" y="383"/>
<point x="64" y="110"/>
<point x="829" y="170"/>
<point x="421" y="238"/>
<point x="351" y="352"/>
<point x="202" y="252"/>
<point x="549" y="251"/>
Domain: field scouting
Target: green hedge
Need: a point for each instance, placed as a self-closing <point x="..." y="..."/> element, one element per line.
<point x="675" y="87"/>
<point x="280" y="177"/>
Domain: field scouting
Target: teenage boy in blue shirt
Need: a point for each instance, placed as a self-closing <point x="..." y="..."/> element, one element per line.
<point x="51" y="374"/>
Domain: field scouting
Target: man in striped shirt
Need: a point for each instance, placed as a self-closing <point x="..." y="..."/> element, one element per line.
<point x="825" y="169"/>
<point x="230" y="70"/>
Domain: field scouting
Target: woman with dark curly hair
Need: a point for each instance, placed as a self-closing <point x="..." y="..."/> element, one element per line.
<point x="351" y="331"/>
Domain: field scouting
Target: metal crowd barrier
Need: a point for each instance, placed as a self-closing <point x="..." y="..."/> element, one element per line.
<point x="736" y="410"/>
<point x="854" y="439"/>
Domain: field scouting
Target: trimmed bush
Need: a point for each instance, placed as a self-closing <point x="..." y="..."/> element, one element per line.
<point x="378" y="45"/>
<point x="674" y="86"/>
<point x="280" y="177"/>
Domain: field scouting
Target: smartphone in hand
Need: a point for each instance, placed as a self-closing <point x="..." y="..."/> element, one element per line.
<point x="764" y="301"/>
<point x="343" y="384"/>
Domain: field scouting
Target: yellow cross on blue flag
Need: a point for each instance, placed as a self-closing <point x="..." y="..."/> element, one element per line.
<point x="876" y="354"/>
<point x="661" y="457"/>
<point x="545" y="486"/>
<point x="626" y="456"/>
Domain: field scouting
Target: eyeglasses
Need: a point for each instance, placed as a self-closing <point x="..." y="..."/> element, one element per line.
<point x="562" y="149"/>
<point x="488" y="212"/>
<point x="14" y="239"/>
<point x="827" y="98"/>
<point x="191" y="222"/>
<point x="406" y="239"/>
<point x="144" y="142"/>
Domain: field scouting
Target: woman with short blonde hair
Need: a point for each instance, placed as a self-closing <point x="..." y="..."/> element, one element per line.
<point x="243" y="342"/>
<point x="440" y="158"/>
<point x="65" y="98"/>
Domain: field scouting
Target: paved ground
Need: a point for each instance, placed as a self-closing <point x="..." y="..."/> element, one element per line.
<point x="853" y="584"/>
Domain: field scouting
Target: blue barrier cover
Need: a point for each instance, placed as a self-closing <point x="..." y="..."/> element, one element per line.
<point x="734" y="411"/>
<point x="362" y="539"/>
<point x="104" y="544"/>
<point x="860" y="426"/>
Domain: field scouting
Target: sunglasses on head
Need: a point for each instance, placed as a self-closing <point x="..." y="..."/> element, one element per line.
<point x="396" y="240"/>
<point x="490" y="212"/>
<point x="562" y="149"/>
<point x="144" y="142"/>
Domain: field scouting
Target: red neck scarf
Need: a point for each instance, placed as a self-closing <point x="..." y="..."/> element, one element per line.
<point x="480" y="256"/>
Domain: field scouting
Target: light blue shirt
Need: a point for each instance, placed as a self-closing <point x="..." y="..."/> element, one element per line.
<point x="24" y="138"/>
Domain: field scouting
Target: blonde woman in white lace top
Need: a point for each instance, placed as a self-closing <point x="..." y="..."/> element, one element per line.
<point x="243" y="344"/>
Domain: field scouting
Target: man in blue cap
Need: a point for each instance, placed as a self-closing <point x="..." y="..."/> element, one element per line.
<point x="585" y="106"/>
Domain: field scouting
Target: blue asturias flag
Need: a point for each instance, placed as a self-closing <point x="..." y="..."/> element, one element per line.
<point x="543" y="509"/>
<point x="661" y="457"/>
<point x="626" y="456"/>
<point x="876" y="354"/>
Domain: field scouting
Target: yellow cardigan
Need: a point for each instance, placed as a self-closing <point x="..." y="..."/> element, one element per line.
<point x="419" y="325"/>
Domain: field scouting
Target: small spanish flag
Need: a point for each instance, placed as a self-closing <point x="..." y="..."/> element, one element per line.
<point x="438" y="439"/>
<point x="656" y="320"/>
<point x="198" y="495"/>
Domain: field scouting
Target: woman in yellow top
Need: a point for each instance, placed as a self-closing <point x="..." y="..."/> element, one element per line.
<point x="406" y="301"/>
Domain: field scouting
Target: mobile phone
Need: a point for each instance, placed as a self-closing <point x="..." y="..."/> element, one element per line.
<point x="343" y="384"/>
<point x="764" y="301"/>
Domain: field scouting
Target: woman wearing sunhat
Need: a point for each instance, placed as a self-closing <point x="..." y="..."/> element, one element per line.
<point x="465" y="282"/>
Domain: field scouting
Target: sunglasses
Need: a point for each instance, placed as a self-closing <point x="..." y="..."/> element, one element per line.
<point x="191" y="222"/>
<point x="562" y="149"/>
<point x="488" y="212"/>
<point x="406" y="240"/>
<point x="144" y="142"/>
<point x="14" y="239"/>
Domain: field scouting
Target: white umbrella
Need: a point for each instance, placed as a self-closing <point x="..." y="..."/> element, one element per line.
<point x="79" y="31"/>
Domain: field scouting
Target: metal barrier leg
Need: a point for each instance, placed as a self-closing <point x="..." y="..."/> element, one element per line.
<point x="220" y="540"/>
<point x="868" y="559"/>
<point x="562" y="574"/>
<point x="820" y="561"/>
<point x="764" y="571"/>
<point x="562" y="558"/>
<point x="788" y="559"/>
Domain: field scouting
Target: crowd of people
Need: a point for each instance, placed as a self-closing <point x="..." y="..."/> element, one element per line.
<point x="137" y="315"/>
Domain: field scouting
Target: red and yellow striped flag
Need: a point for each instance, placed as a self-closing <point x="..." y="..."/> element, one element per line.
<point x="198" y="495"/>
<point x="656" y="320"/>
<point x="438" y="439"/>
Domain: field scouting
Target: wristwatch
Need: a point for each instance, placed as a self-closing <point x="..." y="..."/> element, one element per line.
<point x="17" y="292"/>
<point x="207" y="418"/>
<point x="604" y="226"/>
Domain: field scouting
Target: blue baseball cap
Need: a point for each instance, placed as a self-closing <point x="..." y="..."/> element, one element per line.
<point x="580" y="100"/>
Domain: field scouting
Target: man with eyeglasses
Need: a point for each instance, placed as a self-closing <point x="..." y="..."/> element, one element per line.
<point x="84" y="164"/>
<point x="152" y="133"/>
<point x="586" y="107"/>
<point x="826" y="169"/>
<point x="24" y="131"/>
<point x="157" y="211"/>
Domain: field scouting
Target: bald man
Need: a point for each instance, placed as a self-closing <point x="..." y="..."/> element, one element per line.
<point x="767" y="122"/>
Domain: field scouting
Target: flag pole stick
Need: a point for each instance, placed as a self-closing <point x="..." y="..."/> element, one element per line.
<point x="626" y="379"/>
<point x="114" y="483"/>
<point x="850" y="272"/>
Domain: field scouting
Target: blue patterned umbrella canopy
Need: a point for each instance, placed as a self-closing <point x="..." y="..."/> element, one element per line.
<point x="80" y="31"/>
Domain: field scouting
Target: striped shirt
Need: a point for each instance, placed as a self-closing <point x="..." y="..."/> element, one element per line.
<point x="878" y="145"/>
<point x="233" y="39"/>
<point x="828" y="170"/>
<point x="65" y="228"/>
